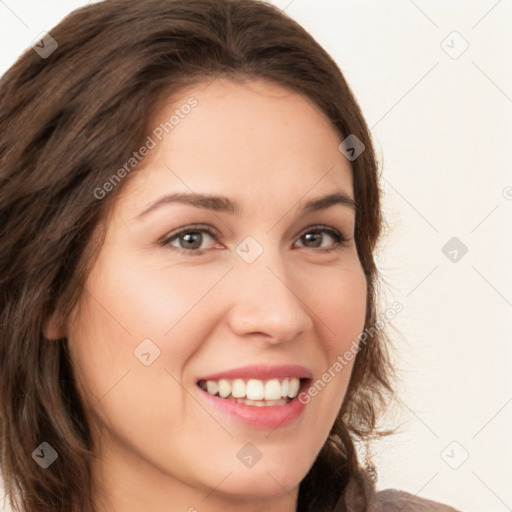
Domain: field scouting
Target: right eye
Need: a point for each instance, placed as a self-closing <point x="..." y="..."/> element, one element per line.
<point x="191" y="236"/>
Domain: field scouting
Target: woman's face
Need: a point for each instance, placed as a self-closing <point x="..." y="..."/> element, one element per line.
<point x="260" y="298"/>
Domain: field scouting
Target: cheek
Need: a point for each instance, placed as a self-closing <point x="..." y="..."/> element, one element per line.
<point x="130" y="303"/>
<point x="120" y="329"/>
<point x="125" y="305"/>
<point x="342" y="307"/>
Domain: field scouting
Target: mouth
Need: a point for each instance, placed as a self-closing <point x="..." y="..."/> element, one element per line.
<point x="255" y="392"/>
<point x="258" y="396"/>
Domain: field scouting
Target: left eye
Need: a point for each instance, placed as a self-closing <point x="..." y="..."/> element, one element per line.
<point x="316" y="235"/>
<point x="191" y="238"/>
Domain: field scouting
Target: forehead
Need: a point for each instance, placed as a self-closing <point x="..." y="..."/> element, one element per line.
<point x="255" y="138"/>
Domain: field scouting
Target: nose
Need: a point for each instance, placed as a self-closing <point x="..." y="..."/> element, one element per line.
<point x="268" y="302"/>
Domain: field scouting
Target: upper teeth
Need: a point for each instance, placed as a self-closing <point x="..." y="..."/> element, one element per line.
<point x="254" y="389"/>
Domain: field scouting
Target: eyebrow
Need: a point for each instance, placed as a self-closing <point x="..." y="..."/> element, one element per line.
<point x="226" y="205"/>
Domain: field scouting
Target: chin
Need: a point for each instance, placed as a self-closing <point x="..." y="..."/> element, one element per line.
<point x="264" y="480"/>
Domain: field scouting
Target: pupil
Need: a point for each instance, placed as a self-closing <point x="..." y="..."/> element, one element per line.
<point x="189" y="238"/>
<point x="312" y="236"/>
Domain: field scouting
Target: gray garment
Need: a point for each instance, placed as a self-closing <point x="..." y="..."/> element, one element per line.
<point x="360" y="495"/>
<point x="392" y="500"/>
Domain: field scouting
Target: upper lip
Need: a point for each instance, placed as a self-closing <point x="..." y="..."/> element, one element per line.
<point x="262" y="372"/>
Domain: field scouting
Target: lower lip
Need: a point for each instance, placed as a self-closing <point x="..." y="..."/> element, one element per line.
<point x="266" y="417"/>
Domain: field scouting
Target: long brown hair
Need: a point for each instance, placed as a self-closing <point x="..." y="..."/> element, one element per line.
<point x="68" y="120"/>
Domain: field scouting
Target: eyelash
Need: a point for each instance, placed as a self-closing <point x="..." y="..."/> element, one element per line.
<point x="340" y="240"/>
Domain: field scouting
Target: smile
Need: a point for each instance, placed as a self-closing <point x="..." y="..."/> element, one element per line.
<point x="259" y="393"/>
<point x="257" y="396"/>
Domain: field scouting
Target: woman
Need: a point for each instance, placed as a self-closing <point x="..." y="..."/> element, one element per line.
<point x="189" y="208"/>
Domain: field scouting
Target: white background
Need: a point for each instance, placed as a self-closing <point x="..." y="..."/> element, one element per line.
<point x="443" y="130"/>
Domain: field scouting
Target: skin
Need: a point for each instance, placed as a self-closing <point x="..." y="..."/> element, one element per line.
<point x="161" y="446"/>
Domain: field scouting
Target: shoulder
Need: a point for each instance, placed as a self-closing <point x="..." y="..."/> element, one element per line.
<point x="391" y="500"/>
<point x="360" y="495"/>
